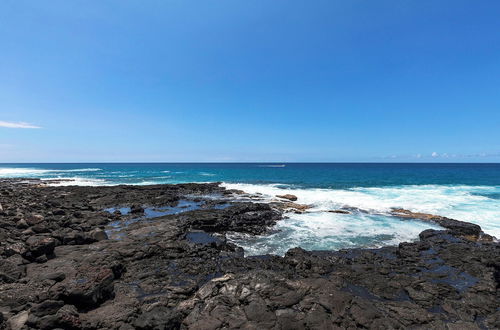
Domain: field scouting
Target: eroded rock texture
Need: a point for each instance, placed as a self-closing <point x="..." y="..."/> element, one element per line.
<point x="156" y="257"/>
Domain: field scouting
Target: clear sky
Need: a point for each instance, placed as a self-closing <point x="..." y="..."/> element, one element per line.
<point x="249" y="80"/>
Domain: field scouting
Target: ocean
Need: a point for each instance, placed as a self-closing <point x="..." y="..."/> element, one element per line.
<point x="468" y="192"/>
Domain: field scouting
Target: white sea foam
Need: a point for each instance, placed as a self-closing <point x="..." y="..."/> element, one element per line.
<point x="270" y="165"/>
<point x="164" y="180"/>
<point x="79" y="181"/>
<point x="19" y="172"/>
<point x="10" y="172"/>
<point x="458" y="202"/>
<point x="206" y="174"/>
<point x="327" y="231"/>
<point x="323" y="230"/>
<point x="80" y="170"/>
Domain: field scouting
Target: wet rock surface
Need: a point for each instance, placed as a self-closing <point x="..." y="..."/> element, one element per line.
<point x="156" y="257"/>
<point x="290" y="197"/>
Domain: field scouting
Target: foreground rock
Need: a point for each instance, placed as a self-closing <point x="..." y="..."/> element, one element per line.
<point x="167" y="265"/>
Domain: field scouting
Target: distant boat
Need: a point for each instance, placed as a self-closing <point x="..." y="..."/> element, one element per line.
<point x="277" y="165"/>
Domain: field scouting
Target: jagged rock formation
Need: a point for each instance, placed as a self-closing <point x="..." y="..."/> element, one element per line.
<point x="168" y="265"/>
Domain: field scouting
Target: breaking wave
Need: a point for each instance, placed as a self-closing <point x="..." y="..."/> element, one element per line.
<point x="372" y="225"/>
<point x="11" y="172"/>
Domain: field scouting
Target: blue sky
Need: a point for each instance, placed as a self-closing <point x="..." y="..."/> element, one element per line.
<point x="258" y="80"/>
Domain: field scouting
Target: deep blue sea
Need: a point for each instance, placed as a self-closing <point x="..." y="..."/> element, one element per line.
<point x="469" y="192"/>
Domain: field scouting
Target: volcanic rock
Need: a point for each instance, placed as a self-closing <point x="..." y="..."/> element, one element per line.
<point x="340" y="211"/>
<point x="136" y="209"/>
<point x="179" y="271"/>
<point x="290" y="197"/>
<point x="22" y="224"/>
<point x="34" y="219"/>
<point x="97" y="235"/>
<point x="40" y="245"/>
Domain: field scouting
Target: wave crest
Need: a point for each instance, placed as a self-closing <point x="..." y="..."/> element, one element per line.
<point x="461" y="202"/>
<point x="25" y="171"/>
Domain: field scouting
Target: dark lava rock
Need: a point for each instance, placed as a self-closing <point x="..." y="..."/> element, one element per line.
<point x="12" y="269"/>
<point x="290" y="197"/>
<point x="136" y="209"/>
<point x="58" y="212"/>
<point x="179" y="271"/>
<point x="88" y="286"/>
<point x="57" y="276"/>
<point x="40" y="245"/>
<point x="339" y="211"/>
<point x="48" y="307"/>
<point x="15" y="248"/>
<point x="454" y="226"/>
<point x="158" y="318"/>
<point x="97" y="234"/>
<point x="22" y="224"/>
<point x="52" y="315"/>
<point x="34" y="219"/>
<point x="254" y="218"/>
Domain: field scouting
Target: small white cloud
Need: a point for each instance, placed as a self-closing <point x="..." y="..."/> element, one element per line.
<point x="9" y="124"/>
<point x="418" y="155"/>
<point x="435" y="154"/>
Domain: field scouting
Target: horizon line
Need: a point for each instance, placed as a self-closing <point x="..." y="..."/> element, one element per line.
<point x="243" y="162"/>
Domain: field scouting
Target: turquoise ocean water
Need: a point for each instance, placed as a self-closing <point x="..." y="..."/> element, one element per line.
<point x="469" y="192"/>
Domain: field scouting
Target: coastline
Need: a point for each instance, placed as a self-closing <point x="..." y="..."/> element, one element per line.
<point x="70" y="259"/>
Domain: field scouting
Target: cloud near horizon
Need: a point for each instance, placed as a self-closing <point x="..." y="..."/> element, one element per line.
<point x="9" y="124"/>
<point x="436" y="156"/>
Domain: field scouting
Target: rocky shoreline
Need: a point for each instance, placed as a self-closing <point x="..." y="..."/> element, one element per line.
<point x="156" y="257"/>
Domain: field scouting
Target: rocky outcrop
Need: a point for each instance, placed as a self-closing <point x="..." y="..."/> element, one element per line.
<point x="290" y="206"/>
<point x="39" y="246"/>
<point x="290" y="197"/>
<point x="339" y="211"/>
<point x="76" y="262"/>
<point x="458" y="228"/>
<point x="253" y="218"/>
